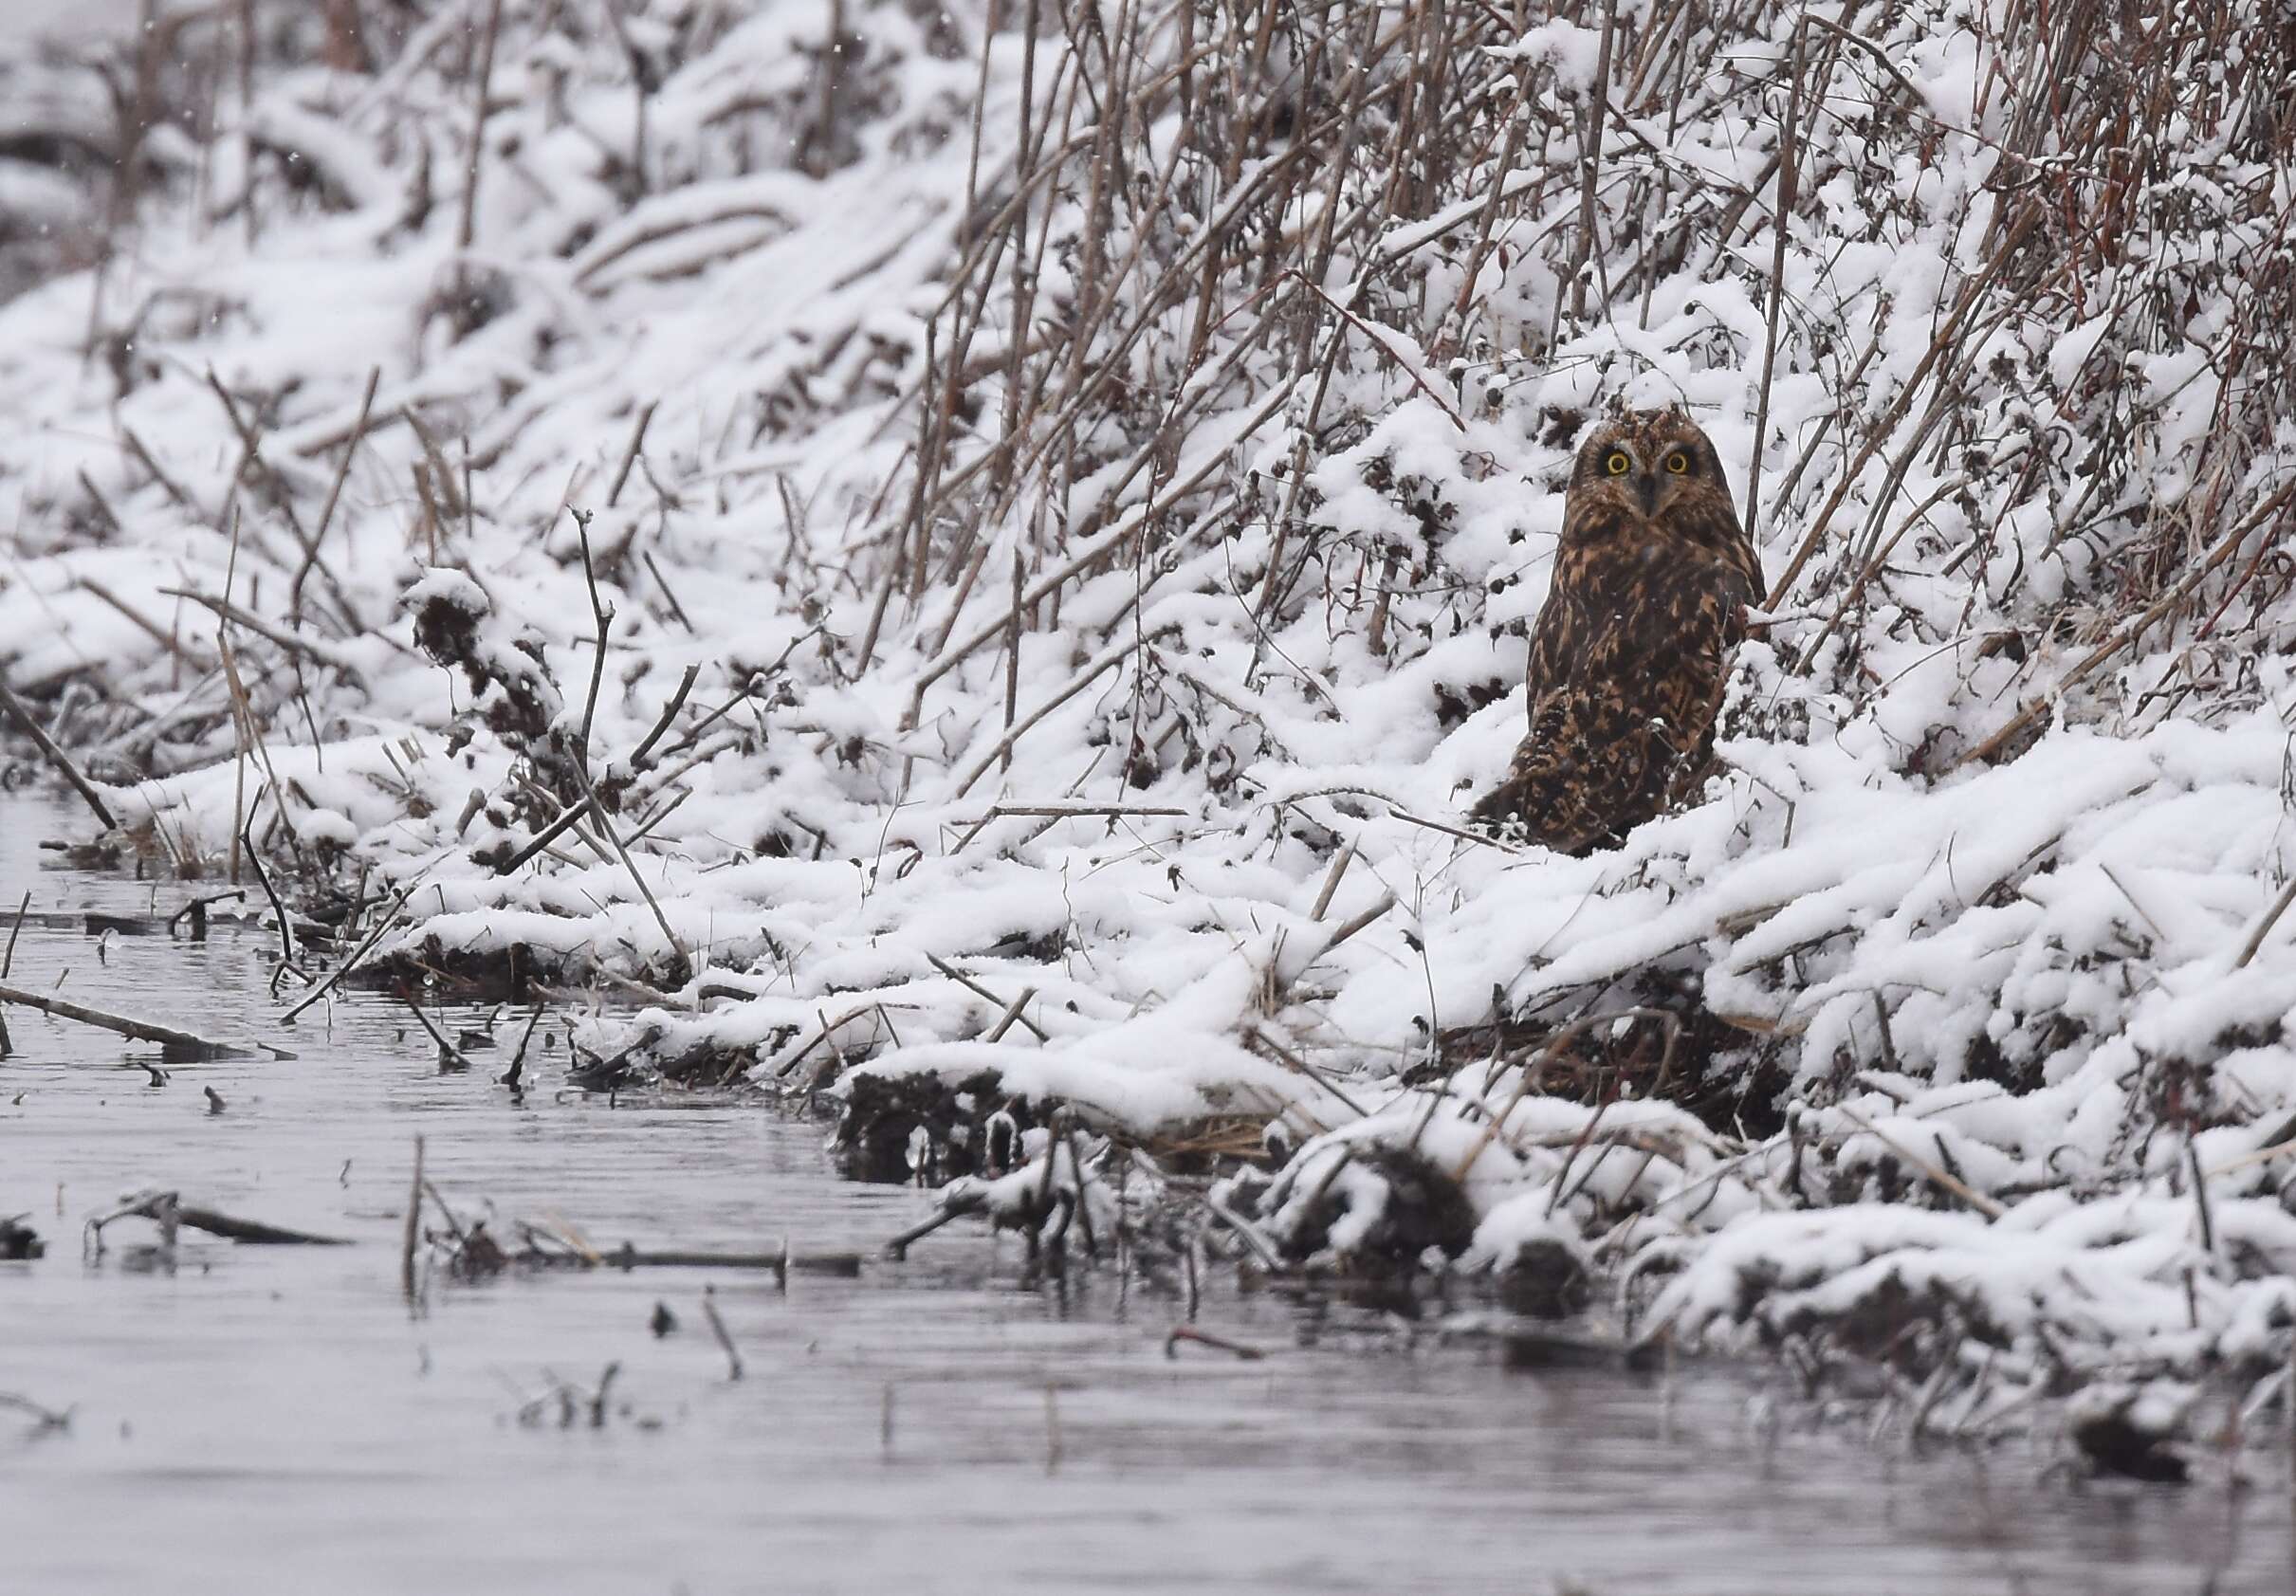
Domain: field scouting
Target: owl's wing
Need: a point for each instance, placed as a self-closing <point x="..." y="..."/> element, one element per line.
<point x="1709" y="622"/>
<point x="1563" y="625"/>
<point x="1551" y="791"/>
<point x="1544" y="774"/>
<point x="1549" y="786"/>
<point x="1622" y="719"/>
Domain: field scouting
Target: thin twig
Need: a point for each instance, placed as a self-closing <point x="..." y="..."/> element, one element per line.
<point x="467" y="224"/>
<point x="177" y="1043"/>
<point x="55" y="756"/>
<point x="446" y="1047"/>
<point x="606" y="825"/>
<point x="382" y="924"/>
<point x="601" y="613"/>
<point x="717" y="1327"/>
<point x="8" y="960"/>
<point x="1789" y="140"/>
<point x="637" y="442"/>
<point x="2264" y="927"/>
<point x="414" y="1227"/>
<point x="1937" y="1175"/>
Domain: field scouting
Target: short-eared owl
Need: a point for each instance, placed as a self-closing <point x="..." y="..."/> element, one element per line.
<point x="1627" y="661"/>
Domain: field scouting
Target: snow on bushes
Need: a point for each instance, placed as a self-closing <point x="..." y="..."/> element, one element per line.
<point x="1063" y="517"/>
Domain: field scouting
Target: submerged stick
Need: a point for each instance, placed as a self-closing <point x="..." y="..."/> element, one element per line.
<point x="165" y="1209"/>
<point x="898" y="1247"/>
<point x="381" y="926"/>
<point x="253" y="1232"/>
<point x="1206" y="1338"/>
<point x="717" y="1327"/>
<point x="46" y="1419"/>
<point x="55" y="756"/>
<point x="415" y="1214"/>
<point x="179" y="1044"/>
<point x="448" y="1051"/>
<point x="782" y="1263"/>
<point x="627" y="1257"/>
<point x="8" y="960"/>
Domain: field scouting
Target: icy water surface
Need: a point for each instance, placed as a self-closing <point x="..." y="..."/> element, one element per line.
<point x="261" y="1418"/>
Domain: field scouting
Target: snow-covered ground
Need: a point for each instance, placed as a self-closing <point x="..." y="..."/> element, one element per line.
<point x="25" y="22"/>
<point x="1085" y="500"/>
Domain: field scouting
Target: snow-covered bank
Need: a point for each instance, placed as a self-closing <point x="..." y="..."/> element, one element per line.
<point x="1063" y="515"/>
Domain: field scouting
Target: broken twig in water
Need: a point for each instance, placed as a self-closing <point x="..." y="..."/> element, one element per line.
<point x="387" y="919"/>
<point x="8" y="960"/>
<point x="898" y="1247"/>
<point x="448" y="1051"/>
<point x="279" y="911"/>
<point x="415" y="1216"/>
<point x="717" y="1327"/>
<point x="510" y="1077"/>
<point x="55" y="756"/>
<point x="579" y="1256"/>
<point x="1206" y="1338"/>
<point x="177" y="1045"/>
<point x="196" y="910"/>
<point x="47" y="1419"/>
<point x="168" y="1211"/>
<point x="782" y="1263"/>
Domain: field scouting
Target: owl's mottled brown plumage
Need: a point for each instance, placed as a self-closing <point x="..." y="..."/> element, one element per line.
<point x="1627" y="661"/>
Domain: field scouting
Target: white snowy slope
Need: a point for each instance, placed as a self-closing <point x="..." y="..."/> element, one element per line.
<point x="1255" y="359"/>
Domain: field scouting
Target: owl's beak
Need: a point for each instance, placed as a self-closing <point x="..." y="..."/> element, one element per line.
<point x="1647" y="489"/>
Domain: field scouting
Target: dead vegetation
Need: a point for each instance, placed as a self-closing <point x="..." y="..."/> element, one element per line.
<point x="1203" y="258"/>
<point x="1414" y="154"/>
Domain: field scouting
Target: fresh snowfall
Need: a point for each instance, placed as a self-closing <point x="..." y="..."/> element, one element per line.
<point x="961" y="565"/>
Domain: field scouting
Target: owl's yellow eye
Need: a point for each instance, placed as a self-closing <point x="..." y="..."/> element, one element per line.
<point x="1618" y="465"/>
<point x="1678" y="463"/>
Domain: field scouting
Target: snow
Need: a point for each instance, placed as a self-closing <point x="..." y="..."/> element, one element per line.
<point x="1276" y="587"/>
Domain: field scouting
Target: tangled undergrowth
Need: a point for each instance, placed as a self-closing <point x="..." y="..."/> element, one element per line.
<point x="979" y="550"/>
